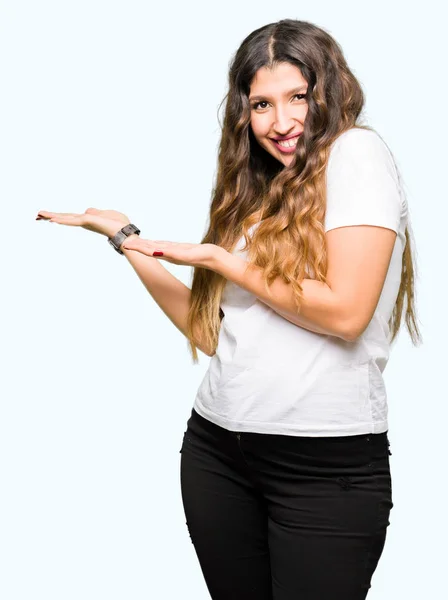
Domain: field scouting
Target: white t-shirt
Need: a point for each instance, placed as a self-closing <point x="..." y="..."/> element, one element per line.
<point x="271" y="376"/>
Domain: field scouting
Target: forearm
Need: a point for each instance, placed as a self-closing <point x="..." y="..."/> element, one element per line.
<point x="320" y="310"/>
<point x="172" y="296"/>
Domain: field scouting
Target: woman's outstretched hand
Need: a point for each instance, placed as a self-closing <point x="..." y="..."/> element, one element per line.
<point x="108" y="222"/>
<point x="105" y="222"/>
<point x="195" y="255"/>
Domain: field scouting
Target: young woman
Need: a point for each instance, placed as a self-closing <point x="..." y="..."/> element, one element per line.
<point x="298" y="292"/>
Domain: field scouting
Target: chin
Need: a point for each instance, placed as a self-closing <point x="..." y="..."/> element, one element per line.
<point x="285" y="159"/>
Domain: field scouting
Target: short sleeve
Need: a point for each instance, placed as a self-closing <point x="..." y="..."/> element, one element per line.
<point x="363" y="187"/>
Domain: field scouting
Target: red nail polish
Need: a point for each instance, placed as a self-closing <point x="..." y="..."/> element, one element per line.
<point x="156" y="253"/>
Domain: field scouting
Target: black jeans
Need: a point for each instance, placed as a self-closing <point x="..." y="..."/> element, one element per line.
<point x="281" y="517"/>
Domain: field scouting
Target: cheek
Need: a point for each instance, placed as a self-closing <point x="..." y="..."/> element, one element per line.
<point x="260" y="126"/>
<point x="257" y="134"/>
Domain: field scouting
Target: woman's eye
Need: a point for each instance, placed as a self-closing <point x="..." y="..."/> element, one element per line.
<point x="256" y="105"/>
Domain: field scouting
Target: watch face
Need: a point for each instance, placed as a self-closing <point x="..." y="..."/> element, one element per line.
<point x="121" y="235"/>
<point x="130" y="228"/>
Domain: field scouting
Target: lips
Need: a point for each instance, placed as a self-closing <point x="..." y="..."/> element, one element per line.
<point x="286" y="149"/>
<point x="287" y="137"/>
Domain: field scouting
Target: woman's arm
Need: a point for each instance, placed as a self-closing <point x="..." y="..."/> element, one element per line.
<point x="170" y="294"/>
<point x="358" y="261"/>
<point x="320" y="309"/>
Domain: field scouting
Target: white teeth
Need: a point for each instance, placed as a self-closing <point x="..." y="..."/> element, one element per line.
<point x="288" y="143"/>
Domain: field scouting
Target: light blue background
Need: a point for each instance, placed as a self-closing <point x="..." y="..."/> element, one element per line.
<point x="114" y="105"/>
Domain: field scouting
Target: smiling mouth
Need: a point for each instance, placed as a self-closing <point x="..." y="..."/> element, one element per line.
<point x="286" y="146"/>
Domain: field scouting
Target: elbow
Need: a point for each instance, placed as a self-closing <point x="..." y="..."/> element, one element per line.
<point x="352" y="329"/>
<point x="350" y="336"/>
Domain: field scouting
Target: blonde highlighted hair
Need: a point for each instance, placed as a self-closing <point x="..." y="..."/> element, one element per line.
<point x="251" y="186"/>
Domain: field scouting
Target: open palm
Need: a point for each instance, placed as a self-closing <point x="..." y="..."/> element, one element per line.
<point x="104" y="222"/>
<point x="177" y="253"/>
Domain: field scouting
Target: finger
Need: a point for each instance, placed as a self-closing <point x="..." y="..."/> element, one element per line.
<point x="74" y="220"/>
<point x="138" y="240"/>
<point x="140" y="244"/>
<point x="143" y="249"/>
<point x="56" y="214"/>
<point x="44" y="214"/>
<point x="136" y="244"/>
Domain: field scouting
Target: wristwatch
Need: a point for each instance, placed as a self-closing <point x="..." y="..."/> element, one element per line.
<point x="121" y="235"/>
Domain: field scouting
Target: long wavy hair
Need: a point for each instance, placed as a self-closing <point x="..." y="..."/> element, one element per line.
<point x="288" y="202"/>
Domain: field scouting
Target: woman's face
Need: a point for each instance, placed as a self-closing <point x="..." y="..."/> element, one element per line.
<point x="278" y="109"/>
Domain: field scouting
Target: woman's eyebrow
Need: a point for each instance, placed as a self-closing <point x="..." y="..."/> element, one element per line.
<point x="301" y="88"/>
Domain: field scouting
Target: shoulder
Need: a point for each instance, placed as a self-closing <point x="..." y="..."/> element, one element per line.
<point x="363" y="184"/>
<point x="358" y="144"/>
<point x="361" y="153"/>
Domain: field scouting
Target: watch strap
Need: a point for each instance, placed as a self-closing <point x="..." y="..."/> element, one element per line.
<point x="117" y="239"/>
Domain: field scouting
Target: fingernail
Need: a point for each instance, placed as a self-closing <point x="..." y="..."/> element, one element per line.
<point x="156" y="253"/>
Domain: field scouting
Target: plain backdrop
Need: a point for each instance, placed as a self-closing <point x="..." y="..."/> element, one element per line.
<point x="114" y="104"/>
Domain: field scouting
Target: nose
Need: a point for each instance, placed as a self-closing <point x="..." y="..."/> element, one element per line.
<point x="283" y="123"/>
